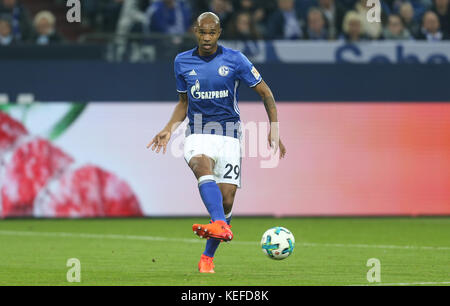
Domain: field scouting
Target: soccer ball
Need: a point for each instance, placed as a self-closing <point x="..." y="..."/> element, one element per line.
<point x="278" y="243"/>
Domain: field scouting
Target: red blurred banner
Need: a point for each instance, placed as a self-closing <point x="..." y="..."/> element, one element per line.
<point x="356" y="159"/>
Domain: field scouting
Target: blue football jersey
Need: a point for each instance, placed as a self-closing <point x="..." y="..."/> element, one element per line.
<point x="211" y="84"/>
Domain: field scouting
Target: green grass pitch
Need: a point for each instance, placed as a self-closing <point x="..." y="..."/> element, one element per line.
<point x="154" y="251"/>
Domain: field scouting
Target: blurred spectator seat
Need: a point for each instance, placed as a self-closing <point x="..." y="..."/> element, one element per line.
<point x="169" y="17"/>
<point x="102" y="14"/>
<point x="242" y="28"/>
<point x="315" y="26"/>
<point x="406" y="11"/>
<point x="442" y="10"/>
<point x="352" y="27"/>
<point x="45" y="32"/>
<point x="334" y="13"/>
<point x="284" y="23"/>
<point x="70" y="31"/>
<point x="20" y="20"/>
<point x="395" y="30"/>
<point x="223" y="9"/>
<point x="6" y="37"/>
<point x="431" y="30"/>
<point x="131" y="18"/>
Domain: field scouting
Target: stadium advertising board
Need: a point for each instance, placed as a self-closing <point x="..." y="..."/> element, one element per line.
<point x="394" y="52"/>
<point x="90" y="160"/>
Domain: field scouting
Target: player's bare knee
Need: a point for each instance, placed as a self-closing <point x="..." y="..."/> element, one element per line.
<point x="201" y="170"/>
<point x="200" y="165"/>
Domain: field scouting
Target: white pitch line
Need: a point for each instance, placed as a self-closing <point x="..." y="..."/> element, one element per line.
<point x="405" y="284"/>
<point x="96" y="236"/>
<point x="187" y="240"/>
<point x="378" y="246"/>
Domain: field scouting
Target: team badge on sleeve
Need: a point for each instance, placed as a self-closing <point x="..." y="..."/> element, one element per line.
<point x="255" y="73"/>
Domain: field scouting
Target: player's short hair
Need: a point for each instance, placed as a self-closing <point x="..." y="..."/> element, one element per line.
<point x="208" y="15"/>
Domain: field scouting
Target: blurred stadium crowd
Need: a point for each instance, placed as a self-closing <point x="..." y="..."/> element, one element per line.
<point x="43" y="22"/>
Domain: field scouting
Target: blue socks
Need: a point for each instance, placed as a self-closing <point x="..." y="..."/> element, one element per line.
<point x="212" y="197"/>
<point x="213" y="244"/>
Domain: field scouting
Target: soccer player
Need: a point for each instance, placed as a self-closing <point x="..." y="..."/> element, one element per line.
<point x="207" y="79"/>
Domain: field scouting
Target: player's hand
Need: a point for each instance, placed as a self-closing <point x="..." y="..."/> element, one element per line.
<point x="275" y="142"/>
<point x="282" y="150"/>
<point x="160" y="141"/>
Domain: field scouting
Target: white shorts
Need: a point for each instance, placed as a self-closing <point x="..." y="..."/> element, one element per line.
<point x="224" y="150"/>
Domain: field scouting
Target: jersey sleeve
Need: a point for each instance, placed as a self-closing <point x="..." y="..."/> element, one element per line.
<point x="247" y="72"/>
<point x="180" y="81"/>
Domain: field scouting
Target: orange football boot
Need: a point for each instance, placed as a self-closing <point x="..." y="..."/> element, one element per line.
<point x="206" y="265"/>
<point x="219" y="230"/>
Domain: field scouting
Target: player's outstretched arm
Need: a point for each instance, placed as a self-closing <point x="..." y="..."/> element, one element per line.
<point x="269" y="103"/>
<point x="161" y="140"/>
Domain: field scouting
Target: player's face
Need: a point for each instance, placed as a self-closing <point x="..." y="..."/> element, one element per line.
<point x="207" y="33"/>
